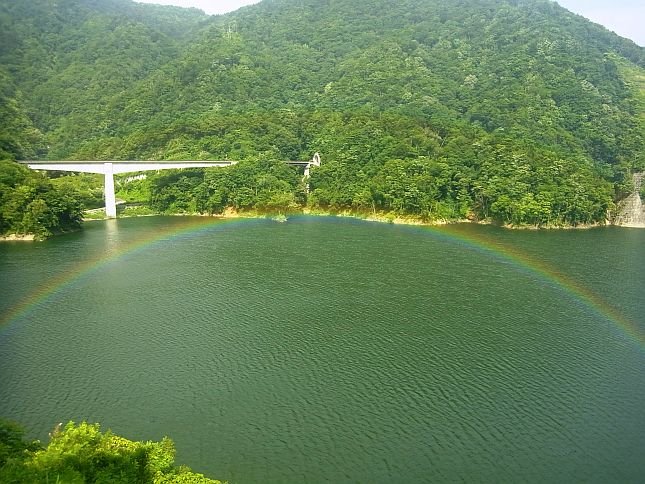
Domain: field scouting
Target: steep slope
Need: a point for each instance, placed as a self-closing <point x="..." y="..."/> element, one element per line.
<point x="517" y="111"/>
<point x="532" y="67"/>
<point x="18" y="136"/>
<point x="68" y="57"/>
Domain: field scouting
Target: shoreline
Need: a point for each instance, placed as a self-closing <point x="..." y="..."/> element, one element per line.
<point x="18" y="238"/>
<point x="410" y="220"/>
<point x="387" y="218"/>
<point x="33" y="237"/>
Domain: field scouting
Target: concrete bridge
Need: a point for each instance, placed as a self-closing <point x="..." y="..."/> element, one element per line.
<point x="110" y="168"/>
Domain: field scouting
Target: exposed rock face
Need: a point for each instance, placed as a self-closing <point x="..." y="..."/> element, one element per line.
<point x="631" y="211"/>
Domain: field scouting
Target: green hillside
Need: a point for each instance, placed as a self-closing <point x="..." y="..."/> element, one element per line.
<point x="518" y="112"/>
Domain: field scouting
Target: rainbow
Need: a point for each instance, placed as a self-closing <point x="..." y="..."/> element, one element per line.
<point x="546" y="273"/>
<point x="194" y="226"/>
<point x="190" y="227"/>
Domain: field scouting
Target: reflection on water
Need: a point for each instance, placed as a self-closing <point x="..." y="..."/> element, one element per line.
<point x="112" y="240"/>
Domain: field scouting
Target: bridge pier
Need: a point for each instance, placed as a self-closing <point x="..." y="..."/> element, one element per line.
<point x="315" y="161"/>
<point x="110" y="197"/>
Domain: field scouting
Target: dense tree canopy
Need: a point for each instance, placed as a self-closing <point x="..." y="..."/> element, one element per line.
<point x="83" y="454"/>
<point x="30" y="204"/>
<point x="517" y="112"/>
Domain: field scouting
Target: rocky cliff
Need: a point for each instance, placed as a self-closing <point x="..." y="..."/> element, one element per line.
<point x="631" y="211"/>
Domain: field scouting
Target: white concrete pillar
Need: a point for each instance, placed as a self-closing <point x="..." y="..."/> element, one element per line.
<point x="306" y="177"/>
<point x="110" y="198"/>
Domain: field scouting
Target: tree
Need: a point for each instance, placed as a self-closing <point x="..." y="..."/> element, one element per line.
<point x="30" y="204"/>
<point x="82" y="453"/>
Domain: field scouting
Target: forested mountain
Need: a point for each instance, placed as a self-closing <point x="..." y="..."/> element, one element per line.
<point x="511" y="110"/>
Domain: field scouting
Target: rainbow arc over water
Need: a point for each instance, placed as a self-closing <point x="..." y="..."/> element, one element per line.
<point x="547" y="274"/>
<point x="56" y="285"/>
<point x="194" y="226"/>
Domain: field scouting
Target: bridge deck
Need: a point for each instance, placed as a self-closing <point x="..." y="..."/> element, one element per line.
<point x="129" y="162"/>
<point x="120" y="166"/>
<point x="109" y="168"/>
<point x="127" y="166"/>
<point x="122" y="162"/>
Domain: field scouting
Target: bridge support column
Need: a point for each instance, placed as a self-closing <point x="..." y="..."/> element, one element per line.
<point x="110" y="198"/>
<point x="315" y="161"/>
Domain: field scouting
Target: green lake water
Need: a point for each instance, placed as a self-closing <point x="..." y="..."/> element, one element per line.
<point x="333" y="350"/>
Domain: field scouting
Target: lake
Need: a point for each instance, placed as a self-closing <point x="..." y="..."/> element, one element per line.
<point x="329" y="349"/>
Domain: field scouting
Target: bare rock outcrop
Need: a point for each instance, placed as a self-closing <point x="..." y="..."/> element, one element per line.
<point x="631" y="210"/>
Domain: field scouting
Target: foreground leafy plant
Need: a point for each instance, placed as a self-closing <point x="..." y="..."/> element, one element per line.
<point x="82" y="453"/>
